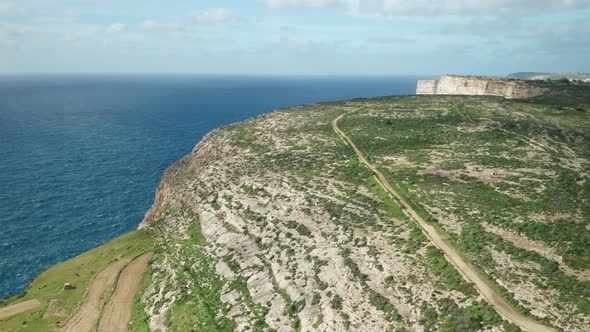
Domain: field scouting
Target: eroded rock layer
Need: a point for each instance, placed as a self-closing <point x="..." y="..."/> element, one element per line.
<point x="477" y="86"/>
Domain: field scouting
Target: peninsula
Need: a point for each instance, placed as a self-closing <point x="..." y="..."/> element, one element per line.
<point x="463" y="208"/>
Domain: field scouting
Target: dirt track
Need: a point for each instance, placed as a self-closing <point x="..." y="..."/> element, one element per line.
<point x="117" y="313"/>
<point x="87" y="317"/>
<point x="14" y="309"/>
<point x="468" y="271"/>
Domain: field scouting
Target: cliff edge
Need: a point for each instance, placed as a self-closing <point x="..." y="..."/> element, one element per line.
<point x="478" y="86"/>
<point x="279" y="223"/>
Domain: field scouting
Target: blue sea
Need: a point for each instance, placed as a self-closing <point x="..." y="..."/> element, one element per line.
<point x="81" y="156"/>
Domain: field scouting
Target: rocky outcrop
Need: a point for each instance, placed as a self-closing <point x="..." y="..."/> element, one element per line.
<point x="427" y="87"/>
<point x="478" y="86"/>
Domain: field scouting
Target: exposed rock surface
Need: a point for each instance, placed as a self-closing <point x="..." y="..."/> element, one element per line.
<point x="272" y="224"/>
<point x="292" y="237"/>
<point x="478" y="86"/>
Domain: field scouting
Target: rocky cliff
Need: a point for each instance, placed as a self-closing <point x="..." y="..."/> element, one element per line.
<point x="273" y="224"/>
<point x="477" y="86"/>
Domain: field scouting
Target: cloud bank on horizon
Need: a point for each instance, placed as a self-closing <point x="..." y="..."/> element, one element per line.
<point x="294" y="36"/>
<point x="429" y="8"/>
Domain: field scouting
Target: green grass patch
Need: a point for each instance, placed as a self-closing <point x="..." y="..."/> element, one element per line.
<point x="139" y="319"/>
<point x="392" y="208"/>
<point x="80" y="270"/>
<point x="438" y="263"/>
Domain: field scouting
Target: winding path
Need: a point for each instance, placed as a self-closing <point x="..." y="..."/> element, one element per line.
<point x="87" y="317"/>
<point x="466" y="269"/>
<point x="117" y="313"/>
<point x="14" y="309"/>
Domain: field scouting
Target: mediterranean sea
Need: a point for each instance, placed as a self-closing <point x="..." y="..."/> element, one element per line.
<point x="81" y="156"/>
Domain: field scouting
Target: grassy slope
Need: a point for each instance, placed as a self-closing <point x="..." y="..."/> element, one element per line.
<point x="48" y="286"/>
<point x="139" y="320"/>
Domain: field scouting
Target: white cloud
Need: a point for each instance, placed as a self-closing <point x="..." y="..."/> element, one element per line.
<point x="301" y="45"/>
<point x="217" y="15"/>
<point x="572" y="38"/>
<point x="171" y="29"/>
<point x="468" y="7"/>
<point x="159" y="26"/>
<point x="430" y="8"/>
<point x="390" y="40"/>
<point x="9" y="8"/>
<point x="117" y="28"/>
<point x="68" y="17"/>
<point x="13" y="31"/>
<point x="303" y="4"/>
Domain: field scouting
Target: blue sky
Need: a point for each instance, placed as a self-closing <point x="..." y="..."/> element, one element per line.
<point x="307" y="37"/>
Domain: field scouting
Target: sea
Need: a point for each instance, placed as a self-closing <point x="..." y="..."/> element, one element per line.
<point x="82" y="155"/>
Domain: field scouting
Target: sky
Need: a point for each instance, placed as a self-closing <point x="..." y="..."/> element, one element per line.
<point x="294" y="37"/>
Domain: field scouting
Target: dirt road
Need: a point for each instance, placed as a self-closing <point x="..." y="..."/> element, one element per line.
<point x="14" y="309"/>
<point x="87" y="317"/>
<point x="468" y="271"/>
<point x="117" y="313"/>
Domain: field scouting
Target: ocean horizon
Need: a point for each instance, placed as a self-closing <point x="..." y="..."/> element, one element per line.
<point x="82" y="155"/>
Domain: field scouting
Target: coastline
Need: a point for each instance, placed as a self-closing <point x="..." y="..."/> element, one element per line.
<point x="189" y="212"/>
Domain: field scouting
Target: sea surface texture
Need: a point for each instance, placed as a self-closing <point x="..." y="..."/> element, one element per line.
<point x="81" y="156"/>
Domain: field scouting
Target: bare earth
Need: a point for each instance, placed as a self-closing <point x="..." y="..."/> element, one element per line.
<point x="87" y="317"/>
<point x="452" y="256"/>
<point x="18" y="308"/>
<point x="117" y="313"/>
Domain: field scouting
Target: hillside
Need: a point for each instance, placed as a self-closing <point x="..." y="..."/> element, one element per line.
<point x="415" y="213"/>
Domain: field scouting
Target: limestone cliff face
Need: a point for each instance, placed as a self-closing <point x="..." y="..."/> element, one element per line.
<point x="475" y="86"/>
<point x="171" y="190"/>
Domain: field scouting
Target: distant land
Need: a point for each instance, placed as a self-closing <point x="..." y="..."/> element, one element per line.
<point x="550" y="76"/>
